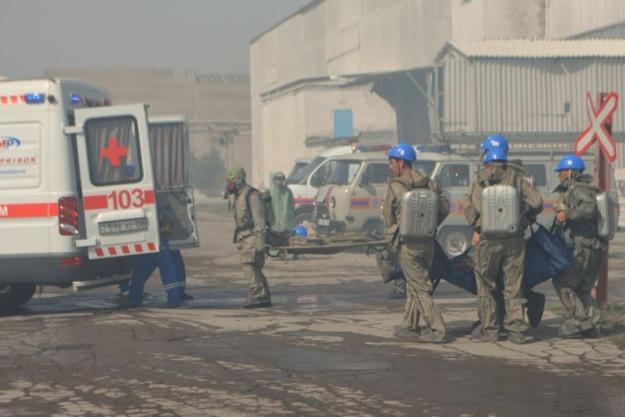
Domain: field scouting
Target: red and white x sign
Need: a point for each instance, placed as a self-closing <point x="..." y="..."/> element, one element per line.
<point x="597" y="131"/>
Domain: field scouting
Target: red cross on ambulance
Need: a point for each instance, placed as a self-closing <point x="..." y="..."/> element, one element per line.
<point x="113" y="152"/>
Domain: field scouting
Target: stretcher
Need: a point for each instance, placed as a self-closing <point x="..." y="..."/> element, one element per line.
<point x="323" y="244"/>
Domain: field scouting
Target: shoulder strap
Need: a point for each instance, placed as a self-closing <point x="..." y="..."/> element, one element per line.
<point x="247" y="196"/>
<point x="396" y="181"/>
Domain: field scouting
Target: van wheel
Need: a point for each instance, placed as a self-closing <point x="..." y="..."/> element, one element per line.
<point x="303" y="216"/>
<point x="373" y="227"/>
<point x="455" y="241"/>
<point x="13" y="296"/>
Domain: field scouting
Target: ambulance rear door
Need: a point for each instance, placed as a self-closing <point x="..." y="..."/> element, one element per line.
<point x="171" y="159"/>
<point x="115" y="181"/>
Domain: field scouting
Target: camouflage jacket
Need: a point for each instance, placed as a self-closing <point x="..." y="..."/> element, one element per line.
<point x="578" y="197"/>
<point x="399" y="186"/>
<point x="249" y="221"/>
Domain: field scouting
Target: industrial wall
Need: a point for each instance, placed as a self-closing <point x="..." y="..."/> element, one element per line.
<point x="301" y="123"/>
<point x="497" y="19"/>
<point x="342" y="37"/>
<point x="569" y="18"/>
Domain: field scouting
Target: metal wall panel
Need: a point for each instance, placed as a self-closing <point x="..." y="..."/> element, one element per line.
<point x="537" y="101"/>
<point x="525" y="95"/>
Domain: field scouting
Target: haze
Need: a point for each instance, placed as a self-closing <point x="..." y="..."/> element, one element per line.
<point x="206" y="36"/>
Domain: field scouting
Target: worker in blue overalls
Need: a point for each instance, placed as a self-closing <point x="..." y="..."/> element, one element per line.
<point x="144" y="265"/>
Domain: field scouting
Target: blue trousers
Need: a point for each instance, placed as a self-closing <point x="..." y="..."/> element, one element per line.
<point x="181" y="273"/>
<point x="144" y="265"/>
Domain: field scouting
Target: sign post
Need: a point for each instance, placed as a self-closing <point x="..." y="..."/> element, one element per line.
<point x="600" y="131"/>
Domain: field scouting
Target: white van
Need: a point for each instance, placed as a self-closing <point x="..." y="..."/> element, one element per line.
<point x="306" y="181"/>
<point x="77" y="187"/>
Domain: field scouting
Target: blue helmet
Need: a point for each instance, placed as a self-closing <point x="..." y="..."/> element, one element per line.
<point x="403" y="151"/>
<point x="496" y="155"/>
<point x="494" y="141"/>
<point x="300" y="231"/>
<point x="573" y="162"/>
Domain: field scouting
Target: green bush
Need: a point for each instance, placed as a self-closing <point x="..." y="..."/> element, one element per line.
<point x="209" y="173"/>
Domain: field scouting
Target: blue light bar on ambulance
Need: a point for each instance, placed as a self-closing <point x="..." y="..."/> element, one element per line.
<point x="34" y="98"/>
<point x="75" y="98"/>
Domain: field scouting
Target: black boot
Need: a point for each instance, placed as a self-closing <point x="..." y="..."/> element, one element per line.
<point x="535" y="307"/>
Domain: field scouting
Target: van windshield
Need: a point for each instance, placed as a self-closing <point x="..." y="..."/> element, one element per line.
<point x="297" y="169"/>
<point x="424" y="167"/>
<point x="298" y="176"/>
<point x="341" y="172"/>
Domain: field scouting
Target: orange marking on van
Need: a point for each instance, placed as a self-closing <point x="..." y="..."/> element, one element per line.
<point x="149" y="197"/>
<point x="94" y="202"/>
<point x="28" y="210"/>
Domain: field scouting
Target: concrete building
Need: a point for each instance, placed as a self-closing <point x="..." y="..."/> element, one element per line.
<point x="397" y="49"/>
<point x="217" y="106"/>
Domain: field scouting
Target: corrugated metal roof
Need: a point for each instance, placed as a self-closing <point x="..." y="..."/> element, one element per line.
<point x="583" y="48"/>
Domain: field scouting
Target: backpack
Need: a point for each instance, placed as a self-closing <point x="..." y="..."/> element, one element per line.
<point x="265" y="198"/>
<point x="607" y="217"/>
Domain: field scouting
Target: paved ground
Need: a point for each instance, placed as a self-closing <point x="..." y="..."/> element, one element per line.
<point x="326" y="349"/>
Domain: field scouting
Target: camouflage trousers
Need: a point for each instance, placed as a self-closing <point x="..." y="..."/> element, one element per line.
<point x="252" y="263"/>
<point x="574" y="286"/>
<point x="490" y="257"/>
<point x="415" y="259"/>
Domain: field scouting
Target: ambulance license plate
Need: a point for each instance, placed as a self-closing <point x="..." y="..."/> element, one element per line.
<point x="323" y="222"/>
<point x="119" y="227"/>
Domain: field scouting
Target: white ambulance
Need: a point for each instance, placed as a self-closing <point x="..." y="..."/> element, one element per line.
<point x="78" y="186"/>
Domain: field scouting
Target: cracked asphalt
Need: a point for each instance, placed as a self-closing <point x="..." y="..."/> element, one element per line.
<point x="325" y="349"/>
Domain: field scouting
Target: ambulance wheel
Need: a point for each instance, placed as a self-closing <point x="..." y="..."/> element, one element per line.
<point x="454" y="240"/>
<point x="13" y="296"/>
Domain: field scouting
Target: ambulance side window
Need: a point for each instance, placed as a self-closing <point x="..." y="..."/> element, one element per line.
<point x="113" y="150"/>
<point x="537" y="173"/>
<point x="453" y="175"/>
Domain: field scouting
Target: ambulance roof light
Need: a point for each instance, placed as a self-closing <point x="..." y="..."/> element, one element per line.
<point x="34" y="98"/>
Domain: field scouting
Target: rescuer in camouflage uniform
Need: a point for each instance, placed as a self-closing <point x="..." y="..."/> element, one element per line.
<point x="535" y="300"/>
<point x="576" y="211"/>
<point x="249" y="236"/>
<point x="500" y="253"/>
<point x="415" y="256"/>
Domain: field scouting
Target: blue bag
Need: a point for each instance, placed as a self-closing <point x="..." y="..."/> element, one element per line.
<point x="457" y="271"/>
<point x="546" y="256"/>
